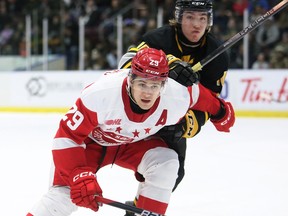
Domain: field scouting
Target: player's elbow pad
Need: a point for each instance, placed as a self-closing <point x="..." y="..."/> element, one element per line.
<point x="126" y="59"/>
<point x="194" y="121"/>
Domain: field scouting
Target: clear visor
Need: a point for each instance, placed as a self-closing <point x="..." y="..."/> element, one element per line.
<point x="148" y="77"/>
<point x="147" y="85"/>
<point x="180" y="11"/>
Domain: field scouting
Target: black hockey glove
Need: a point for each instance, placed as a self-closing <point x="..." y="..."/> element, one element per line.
<point x="188" y="127"/>
<point x="173" y="133"/>
<point x="182" y="73"/>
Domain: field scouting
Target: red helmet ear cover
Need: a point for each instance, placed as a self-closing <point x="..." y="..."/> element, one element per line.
<point x="150" y="63"/>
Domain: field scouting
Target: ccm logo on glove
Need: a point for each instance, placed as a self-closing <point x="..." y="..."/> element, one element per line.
<point x="228" y="117"/>
<point x="83" y="174"/>
<point x="225" y="118"/>
<point x="84" y="188"/>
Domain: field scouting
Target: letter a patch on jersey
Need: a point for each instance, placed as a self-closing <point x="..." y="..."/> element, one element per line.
<point x="163" y="118"/>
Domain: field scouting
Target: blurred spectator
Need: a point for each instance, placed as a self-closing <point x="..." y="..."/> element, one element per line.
<point x="284" y="41"/>
<point x="256" y="10"/>
<point x="263" y="4"/>
<point x="131" y="32"/>
<point x="143" y="18"/>
<point x="111" y="58"/>
<point x="239" y="6"/>
<point x="4" y="17"/>
<point x="5" y="35"/>
<point x="261" y="62"/>
<point x="236" y="56"/>
<point x="92" y="14"/>
<point x="283" y="20"/>
<point x="221" y="18"/>
<point x="98" y="60"/>
<point x="92" y="21"/>
<point x="100" y="28"/>
<point x="54" y="35"/>
<point x="106" y="28"/>
<point x="71" y="40"/>
<point x="232" y="29"/>
<point x="279" y="55"/>
<point x="168" y="10"/>
<point x="279" y="58"/>
<point x="267" y="35"/>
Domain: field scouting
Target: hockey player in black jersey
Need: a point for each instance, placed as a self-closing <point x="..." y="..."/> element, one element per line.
<point x="186" y="41"/>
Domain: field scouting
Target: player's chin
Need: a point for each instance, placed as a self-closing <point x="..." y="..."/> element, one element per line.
<point x="195" y="38"/>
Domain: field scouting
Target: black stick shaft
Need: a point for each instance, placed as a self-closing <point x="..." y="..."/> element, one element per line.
<point x="126" y="207"/>
<point x="240" y="35"/>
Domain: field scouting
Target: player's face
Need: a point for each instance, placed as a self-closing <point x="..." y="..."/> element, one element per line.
<point x="145" y="92"/>
<point x="194" y="24"/>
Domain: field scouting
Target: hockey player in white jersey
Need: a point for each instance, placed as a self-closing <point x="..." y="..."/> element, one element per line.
<point x="113" y="121"/>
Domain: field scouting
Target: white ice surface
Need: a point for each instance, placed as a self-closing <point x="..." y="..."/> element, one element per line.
<point x="242" y="173"/>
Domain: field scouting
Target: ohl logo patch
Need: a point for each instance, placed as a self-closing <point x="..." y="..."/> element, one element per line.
<point x="113" y="122"/>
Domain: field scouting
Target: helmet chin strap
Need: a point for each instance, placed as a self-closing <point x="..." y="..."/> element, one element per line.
<point x="128" y="89"/>
<point x="191" y="44"/>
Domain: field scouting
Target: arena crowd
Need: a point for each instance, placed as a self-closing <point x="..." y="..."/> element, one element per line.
<point x="268" y="44"/>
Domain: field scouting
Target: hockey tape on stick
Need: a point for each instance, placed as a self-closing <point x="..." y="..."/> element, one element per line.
<point x="126" y="207"/>
<point x="198" y="66"/>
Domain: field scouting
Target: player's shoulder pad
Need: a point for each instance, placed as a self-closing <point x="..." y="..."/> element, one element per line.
<point x="159" y="37"/>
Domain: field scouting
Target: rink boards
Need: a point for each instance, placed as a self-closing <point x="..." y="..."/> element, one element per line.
<point x="56" y="91"/>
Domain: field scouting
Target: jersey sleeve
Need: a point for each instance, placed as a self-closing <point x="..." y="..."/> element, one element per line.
<point x="206" y="101"/>
<point x="68" y="144"/>
<point x="126" y="59"/>
<point x="214" y="73"/>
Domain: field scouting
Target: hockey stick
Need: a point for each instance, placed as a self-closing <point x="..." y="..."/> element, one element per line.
<point x="198" y="66"/>
<point x="126" y="207"/>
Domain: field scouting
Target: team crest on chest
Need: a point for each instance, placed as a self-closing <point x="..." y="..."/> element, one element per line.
<point x="110" y="138"/>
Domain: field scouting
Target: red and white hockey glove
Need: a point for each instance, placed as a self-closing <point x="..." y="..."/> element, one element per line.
<point x="84" y="188"/>
<point x="225" y="118"/>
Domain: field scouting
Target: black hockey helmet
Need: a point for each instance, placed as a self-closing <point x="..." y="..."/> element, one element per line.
<point x="194" y="5"/>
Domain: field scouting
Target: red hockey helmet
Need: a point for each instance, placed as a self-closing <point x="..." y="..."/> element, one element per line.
<point x="150" y="63"/>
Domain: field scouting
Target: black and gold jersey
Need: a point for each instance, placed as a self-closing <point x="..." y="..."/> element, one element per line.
<point x="166" y="38"/>
<point x="212" y="76"/>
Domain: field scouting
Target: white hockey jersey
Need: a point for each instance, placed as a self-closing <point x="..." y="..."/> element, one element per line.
<point x="103" y="114"/>
<point x="117" y="124"/>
